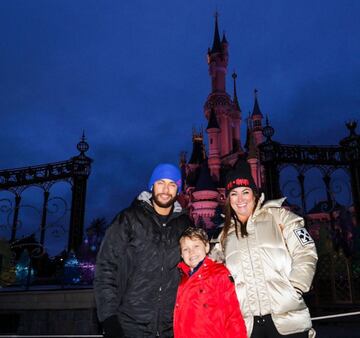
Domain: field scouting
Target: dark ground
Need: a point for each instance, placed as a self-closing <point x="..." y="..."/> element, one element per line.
<point x="343" y="327"/>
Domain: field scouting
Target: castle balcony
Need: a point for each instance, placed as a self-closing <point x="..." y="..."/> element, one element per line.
<point x="205" y="195"/>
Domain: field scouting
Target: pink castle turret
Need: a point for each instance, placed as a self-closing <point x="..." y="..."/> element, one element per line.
<point x="219" y="101"/>
<point x="204" y="198"/>
<point x="256" y="118"/>
<point x="213" y="131"/>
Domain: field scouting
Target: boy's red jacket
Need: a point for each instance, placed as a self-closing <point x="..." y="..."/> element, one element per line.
<point x="206" y="304"/>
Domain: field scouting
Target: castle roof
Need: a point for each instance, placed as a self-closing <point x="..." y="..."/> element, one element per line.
<point x="198" y="154"/>
<point x="224" y="40"/>
<point x="256" y="110"/>
<point x="205" y="181"/>
<point x="213" y="123"/>
<point x="216" y="47"/>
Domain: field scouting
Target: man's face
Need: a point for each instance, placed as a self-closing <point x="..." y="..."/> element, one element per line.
<point x="164" y="193"/>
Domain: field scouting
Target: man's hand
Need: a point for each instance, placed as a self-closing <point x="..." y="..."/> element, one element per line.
<point x="112" y="328"/>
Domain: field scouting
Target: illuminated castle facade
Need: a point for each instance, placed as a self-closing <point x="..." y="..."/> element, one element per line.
<point x="204" y="172"/>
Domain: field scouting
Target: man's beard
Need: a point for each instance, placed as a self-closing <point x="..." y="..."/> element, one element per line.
<point x="163" y="205"/>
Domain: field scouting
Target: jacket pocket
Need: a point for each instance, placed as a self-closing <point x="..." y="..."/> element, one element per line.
<point x="292" y="321"/>
<point x="283" y="295"/>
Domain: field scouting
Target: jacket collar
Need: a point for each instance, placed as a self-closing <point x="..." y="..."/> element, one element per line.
<point x="261" y="206"/>
<point x="186" y="269"/>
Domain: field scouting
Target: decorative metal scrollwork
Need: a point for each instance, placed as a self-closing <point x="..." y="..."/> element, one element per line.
<point x="75" y="171"/>
<point x="6" y="207"/>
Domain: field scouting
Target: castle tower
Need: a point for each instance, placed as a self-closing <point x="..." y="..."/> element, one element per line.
<point x="213" y="131"/>
<point x="204" y="199"/>
<point x="226" y="112"/>
<point x="218" y="61"/>
<point x="236" y="119"/>
<point x="204" y="175"/>
<point x="253" y="139"/>
<point x="253" y="159"/>
<point x="198" y="156"/>
<point x="256" y="118"/>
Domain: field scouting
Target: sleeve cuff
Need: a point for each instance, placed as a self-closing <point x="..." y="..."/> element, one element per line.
<point x="298" y="291"/>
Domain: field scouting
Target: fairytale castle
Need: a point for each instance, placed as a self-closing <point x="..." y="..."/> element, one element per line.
<point x="204" y="172"/>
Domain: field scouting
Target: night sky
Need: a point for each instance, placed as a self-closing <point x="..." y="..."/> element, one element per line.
<point x="133" y="75"/>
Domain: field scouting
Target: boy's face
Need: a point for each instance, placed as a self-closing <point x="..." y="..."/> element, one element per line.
<point x="193" y="251"/>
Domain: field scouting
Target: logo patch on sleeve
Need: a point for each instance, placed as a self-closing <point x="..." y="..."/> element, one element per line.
<point x="303" y="236"/>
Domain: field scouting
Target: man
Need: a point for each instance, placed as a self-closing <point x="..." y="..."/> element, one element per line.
<point x="136" y="270"/>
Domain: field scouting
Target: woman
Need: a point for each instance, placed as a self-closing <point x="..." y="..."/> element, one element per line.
<point x="271" y="257"/>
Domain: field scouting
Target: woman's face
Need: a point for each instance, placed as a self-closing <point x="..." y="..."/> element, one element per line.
<point x="242" y="200"/>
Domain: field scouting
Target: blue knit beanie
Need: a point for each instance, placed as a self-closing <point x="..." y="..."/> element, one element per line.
<point x="165" y="170"/>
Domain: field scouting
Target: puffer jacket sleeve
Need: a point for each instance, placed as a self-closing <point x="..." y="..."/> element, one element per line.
<point x="301" y="248"/>
<point x="112" y="268"/>
<point x="234" y="322"/>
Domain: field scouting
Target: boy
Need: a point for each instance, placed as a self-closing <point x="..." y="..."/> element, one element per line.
<point x="206" y="303"/>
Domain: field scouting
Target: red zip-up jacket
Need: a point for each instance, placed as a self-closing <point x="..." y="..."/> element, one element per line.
<point x="206" y="304"/>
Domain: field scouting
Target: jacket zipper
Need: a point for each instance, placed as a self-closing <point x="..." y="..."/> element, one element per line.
<point x="253" y="272"/>
<point x="162" y="225"/>
<point x="158" y="331"/>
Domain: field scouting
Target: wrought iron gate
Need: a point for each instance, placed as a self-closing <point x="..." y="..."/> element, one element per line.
<point x="74" y="171"/>
<point x="334" y="226"/>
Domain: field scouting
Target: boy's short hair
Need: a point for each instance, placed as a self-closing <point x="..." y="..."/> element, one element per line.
<point x="197" y="233"/>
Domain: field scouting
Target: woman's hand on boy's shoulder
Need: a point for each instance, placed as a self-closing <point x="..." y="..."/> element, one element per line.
<point x="217" y="255"/>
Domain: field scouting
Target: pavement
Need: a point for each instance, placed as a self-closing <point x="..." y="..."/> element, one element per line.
<point x="344" y="327"/>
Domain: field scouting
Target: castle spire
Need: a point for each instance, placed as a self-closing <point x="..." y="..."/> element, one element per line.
<point x="236" y="102"/>
<point x="248" y="131"/>
<point x="256" y="118"/>
<point x="256" y="109"/>
<point x="224" y="40"/>
<point x="216" y="48"/>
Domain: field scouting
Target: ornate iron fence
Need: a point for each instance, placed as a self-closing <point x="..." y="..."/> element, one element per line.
<point x="333" y="224"/>
<point x="51" y="212"/>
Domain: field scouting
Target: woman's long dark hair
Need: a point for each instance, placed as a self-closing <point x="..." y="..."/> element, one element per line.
<point x="231" y="215"/>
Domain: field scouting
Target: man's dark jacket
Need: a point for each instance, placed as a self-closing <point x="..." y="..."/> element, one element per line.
<point x="136" y="274"/>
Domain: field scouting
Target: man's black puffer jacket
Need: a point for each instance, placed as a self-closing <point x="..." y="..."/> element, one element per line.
<point x="136" y="276"/>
